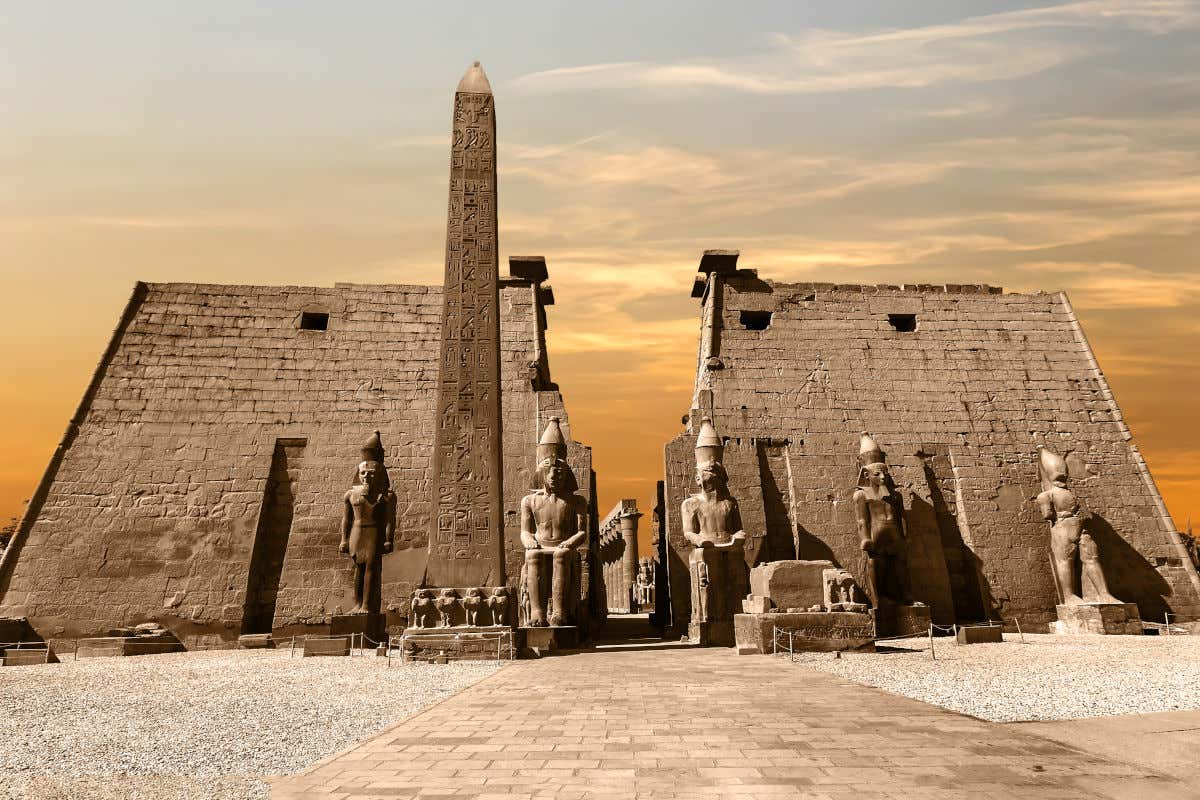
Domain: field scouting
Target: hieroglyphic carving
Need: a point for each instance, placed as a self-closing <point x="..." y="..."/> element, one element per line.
<point x="466" y="545"/>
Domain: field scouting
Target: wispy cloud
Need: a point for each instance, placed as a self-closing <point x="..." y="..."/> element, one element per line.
<point x="1106" y="285"/>
<point x="993" y="47"/>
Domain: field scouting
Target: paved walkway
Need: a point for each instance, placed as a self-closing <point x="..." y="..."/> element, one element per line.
<point x="680" y="722"/>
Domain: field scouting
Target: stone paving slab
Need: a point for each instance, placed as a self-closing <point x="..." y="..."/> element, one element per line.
<point x="681" y="723"/>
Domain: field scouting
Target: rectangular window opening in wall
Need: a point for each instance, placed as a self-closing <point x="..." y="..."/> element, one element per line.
<point x="314" y="321"/>
<point x="905" y="323"/>
<point x="756" y="320"/>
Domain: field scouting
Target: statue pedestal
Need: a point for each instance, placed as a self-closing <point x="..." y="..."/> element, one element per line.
<point x="539" y="642"/>
<point x="461" y="643"/>
<point x="1098" y="618"/>
<point x="806" y="631"/>
<point x="893" y="620"/>
<point x="712" y="634"/>
<point x="373" y="626"/>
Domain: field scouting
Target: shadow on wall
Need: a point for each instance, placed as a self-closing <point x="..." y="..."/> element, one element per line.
<point x="1131" y="578"/>
<point x="813" y="549"/>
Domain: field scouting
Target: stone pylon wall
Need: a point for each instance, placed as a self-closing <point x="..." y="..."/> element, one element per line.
<point x="152" y="510"/>
<point x="959" y="404"/>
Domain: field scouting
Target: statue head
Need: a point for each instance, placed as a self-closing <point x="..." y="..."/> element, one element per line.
<point x="552" y="475"/>
<point x="369" y="473"/>
<point x="500" y="591"/>
<point x="448" y="594"/>
<point x="1053" y="468"/>
<point x="873" y="470"/>
<point x="712" y="477"/>
<point x="474" y="592"/>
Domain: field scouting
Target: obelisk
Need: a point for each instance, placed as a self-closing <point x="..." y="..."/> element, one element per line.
<point x="466" y="543"/>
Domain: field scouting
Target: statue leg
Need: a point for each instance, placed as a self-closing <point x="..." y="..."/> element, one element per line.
<point x="370" y="578"/>
<point x="701" y="574"/>
<point x="1064" y="546"/>
<point x="359" y="578"/>
<point x="1089" y="558"/>
<point x="533" y="588"/>
<point x="559" y="606"/>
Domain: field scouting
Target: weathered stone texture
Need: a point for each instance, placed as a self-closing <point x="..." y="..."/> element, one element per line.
<point x="959" y="405"/>
<point x="153" y="511"/>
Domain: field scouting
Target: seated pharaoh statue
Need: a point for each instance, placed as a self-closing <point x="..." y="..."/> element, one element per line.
<point x="879" y="511"/>
<point x="1074" y="556"/>
<point x="554" y="524"/>
<point x="716" y="565"/>
<point x="368" y="525"/>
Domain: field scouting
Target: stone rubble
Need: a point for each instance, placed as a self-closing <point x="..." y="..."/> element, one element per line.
<point x="201" y="724"/>
<point x="1045" y="678"/>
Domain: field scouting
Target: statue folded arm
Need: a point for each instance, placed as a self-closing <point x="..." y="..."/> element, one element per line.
<point x="581" y="525"/>
<point x="389" y="524"/>
<point x="862" y="515"/>
<point x="735" y="521"/>
<point x="347" y="524"/>
<point x="691" y="524"/>
<point x="528" y="525"/>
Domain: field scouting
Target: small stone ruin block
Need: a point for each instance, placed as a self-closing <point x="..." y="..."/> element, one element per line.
<point x="28" y="656"/>
<point x="754" y="604"/>
<point x="1098" y="618"/>
<point x="980" y="634"/>
<point x="790" y="584"/>
<point x="893" y="620"/>
<point x="255" y="641"/>
<point x="327" y="646"/>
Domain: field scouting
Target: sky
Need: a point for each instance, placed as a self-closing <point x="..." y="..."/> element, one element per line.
<point x="1028" y="145"/>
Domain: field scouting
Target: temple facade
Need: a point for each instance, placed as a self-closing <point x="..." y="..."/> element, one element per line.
<point x="959" y="385"/>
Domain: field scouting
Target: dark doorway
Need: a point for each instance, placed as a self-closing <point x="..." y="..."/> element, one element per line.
<point x="271" y="538"/>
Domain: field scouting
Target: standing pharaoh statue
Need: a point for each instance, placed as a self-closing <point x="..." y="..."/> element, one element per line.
<point x="554" y="523"/>
<point x="879" y="511"/>
<point x="368" y="525"/>
<point x="1070" y="544"/>
<point x="713" y="525"/>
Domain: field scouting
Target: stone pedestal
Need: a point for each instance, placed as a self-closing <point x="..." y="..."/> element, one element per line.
<point x="327" y="646"/>
<point x="539" y="642"/>
<point x="892" y="620"/>
<point x="255" y="641"/>
<point x="27" y="656"/>
<point x="981" y="634"/>
<point x="373" y="626"/>
<point x="114" y="646"/>
<point x="795" y="585"/>
<point x="1098" y="618"/>
<point x="712" y="634"/>
<point x="810" y="631"/>
<point x="460" y="643"/>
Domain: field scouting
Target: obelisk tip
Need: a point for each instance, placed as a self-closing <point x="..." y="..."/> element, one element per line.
<point x="475" y="81"/>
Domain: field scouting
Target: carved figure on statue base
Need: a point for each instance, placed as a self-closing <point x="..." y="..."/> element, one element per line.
<point x="424" y="608"/>
<point x="554" y="523"/>
<point x="445" y="606"/>
<point x="471" y="604"/>
<point x="879" y="511"/>
<point x="498" y="603"/>
<point x="841" y="591"/>
<point x="368" y="525"/>
<point x="1070" y="543"/>
<point x="712" y="523"/>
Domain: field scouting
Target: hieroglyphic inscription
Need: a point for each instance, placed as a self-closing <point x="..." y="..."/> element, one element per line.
<point x="466" y="545"/>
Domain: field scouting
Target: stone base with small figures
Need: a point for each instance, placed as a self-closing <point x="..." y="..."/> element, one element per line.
<point x="461" y="643"/>
<point x="805" y="631"/>
<point x="901" y="620"/>
<point x="1099" y="619"/>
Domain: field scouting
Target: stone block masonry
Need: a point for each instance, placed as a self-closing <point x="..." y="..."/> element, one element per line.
<point x="959" y="385"/>
<point x="216" y="406"/>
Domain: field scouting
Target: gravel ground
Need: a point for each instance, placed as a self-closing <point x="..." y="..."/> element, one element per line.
<point x="198" y="725"/>
<point x="1045" y="678"/>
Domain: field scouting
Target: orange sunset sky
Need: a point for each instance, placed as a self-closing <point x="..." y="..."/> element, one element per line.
<point x="1029" y="145"/>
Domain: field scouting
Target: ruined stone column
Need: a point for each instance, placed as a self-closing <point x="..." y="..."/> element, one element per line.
<point x="629" y="557"/>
